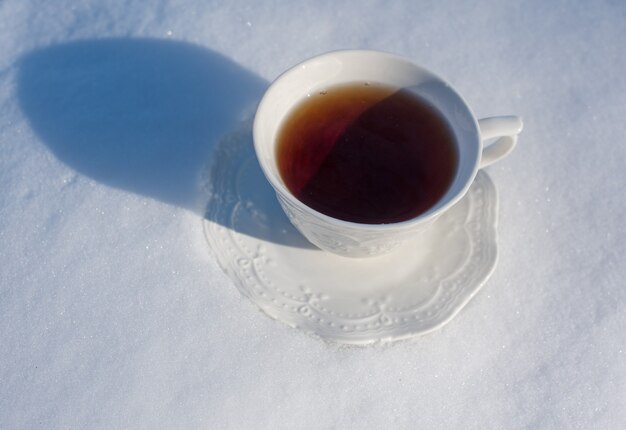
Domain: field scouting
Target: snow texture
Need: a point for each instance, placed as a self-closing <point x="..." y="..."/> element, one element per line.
<point x="114" y="315"/>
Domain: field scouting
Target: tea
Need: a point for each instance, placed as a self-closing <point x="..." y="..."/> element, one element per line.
<point x="367" y="153"/>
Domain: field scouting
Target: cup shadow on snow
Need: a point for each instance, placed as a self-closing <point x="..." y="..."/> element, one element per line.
<point x="141" y="115"/>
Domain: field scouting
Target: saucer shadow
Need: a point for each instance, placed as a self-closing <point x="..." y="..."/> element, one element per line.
<point x="241" y="199"/>
<point x="142" y="115"/>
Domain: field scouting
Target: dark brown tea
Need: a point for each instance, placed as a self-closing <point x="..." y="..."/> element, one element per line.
<point x="367" y="153"/>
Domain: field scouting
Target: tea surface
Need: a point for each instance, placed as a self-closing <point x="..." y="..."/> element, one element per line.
<point x="367" y="153"/>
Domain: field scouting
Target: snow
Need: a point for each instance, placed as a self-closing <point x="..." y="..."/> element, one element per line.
<point x="113" y="314"/>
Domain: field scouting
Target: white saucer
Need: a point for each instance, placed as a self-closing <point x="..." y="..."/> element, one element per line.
<point x="414" y="290"/>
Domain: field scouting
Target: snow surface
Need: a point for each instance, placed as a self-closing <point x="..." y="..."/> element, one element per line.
<point x="114" y="315"/>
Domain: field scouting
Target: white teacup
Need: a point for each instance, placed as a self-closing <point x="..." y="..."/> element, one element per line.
<point x="317" y="74"/>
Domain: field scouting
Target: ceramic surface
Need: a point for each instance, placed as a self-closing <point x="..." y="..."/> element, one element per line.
<point x="320" y="73"/>
<point x="415" y="289"/>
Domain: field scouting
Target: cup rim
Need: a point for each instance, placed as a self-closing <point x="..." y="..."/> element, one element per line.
<point x="430" y="214"/>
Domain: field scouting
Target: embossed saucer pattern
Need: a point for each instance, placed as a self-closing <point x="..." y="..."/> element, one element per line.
<point x="415" y="289"/>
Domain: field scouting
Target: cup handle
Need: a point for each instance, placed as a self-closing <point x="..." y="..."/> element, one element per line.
<point x="506" y="128"/>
